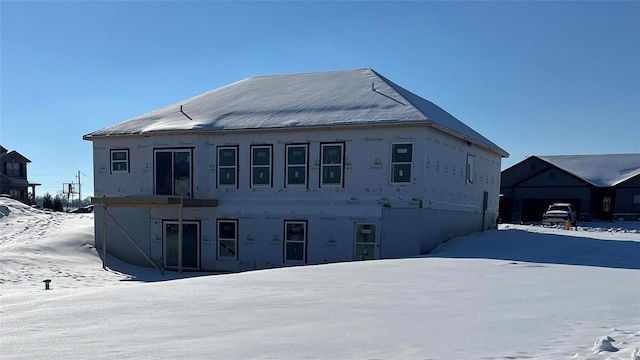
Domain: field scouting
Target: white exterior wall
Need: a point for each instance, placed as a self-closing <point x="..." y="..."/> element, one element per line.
<point x="438" y="204"/>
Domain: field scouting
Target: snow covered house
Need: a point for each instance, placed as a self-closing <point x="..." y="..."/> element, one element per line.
<point x="291" y="169"/>
<point x="604" y="187"/>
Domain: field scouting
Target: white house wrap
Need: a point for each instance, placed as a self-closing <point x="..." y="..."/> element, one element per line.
<point x="288" y="170"/>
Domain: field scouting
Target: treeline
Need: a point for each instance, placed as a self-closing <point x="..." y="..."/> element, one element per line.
<point x="58" y="203"/>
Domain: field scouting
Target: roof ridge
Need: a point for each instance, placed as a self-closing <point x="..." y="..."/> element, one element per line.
<point x="307" y="73"/>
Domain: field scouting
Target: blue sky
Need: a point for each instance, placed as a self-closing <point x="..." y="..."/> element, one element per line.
<point x="536" y="78"/>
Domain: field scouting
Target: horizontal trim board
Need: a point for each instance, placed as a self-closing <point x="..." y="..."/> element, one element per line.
<point x="153" y="201"/>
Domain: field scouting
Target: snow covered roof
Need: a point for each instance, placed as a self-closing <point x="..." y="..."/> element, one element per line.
<point x="5" y="153"/>
<point x="336" y="98"/>
<point x="599" y="170"/>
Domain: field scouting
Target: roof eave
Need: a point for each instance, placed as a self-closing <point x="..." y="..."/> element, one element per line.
<point x="470" y="140"/>
<point x="626" y="179"/>
<point x="332" y="126"/>
<point x="389" y="123"/>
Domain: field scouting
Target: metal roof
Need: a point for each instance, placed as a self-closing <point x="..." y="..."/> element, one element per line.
<point x="337" y="98"/>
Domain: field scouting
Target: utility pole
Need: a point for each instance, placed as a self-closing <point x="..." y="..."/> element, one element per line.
<point x="79" y="191"/>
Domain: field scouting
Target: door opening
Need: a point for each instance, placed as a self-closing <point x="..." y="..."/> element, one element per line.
<point x="190" y="245"/>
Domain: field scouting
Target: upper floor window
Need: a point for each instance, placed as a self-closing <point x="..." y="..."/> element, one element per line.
<point x="173" y="172"/>
<point x="470" y="168"/>
<point x="13" y="169"/>
<point x="332" y="164"/>
<point x="261" y="165"/>
<point x="120" y="160"/>
<point x="401" y="162"/>
<point x="297" y="165"/>
<point x="227" y="166"/>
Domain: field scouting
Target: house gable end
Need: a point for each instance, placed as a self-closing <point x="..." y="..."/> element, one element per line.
<point x="15" y="156"/>
<point x="522" y="171"/>
<point x="554" y="177"/>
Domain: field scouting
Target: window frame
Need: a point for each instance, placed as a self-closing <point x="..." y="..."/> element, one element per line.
<point x="358" y="242"/>
<point x="126" y="161"/>
<point x="304" y="242"/>
<point x="173" y="152"/>
<point x="253" y="166"/>
<point x="10" y="170"/>
<point x="15" y="193"/>
<point x="635" y="203"/>
<point x="341" y="164"/>
<point x="219" y="167"/>
<point x="219" y="239"/>
<point x="165" y="244"/>
<point x="394" y="163"/>
<point x="469" y="169"/>
<point x="288" y="165"/>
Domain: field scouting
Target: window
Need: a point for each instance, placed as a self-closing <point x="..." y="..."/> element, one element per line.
<point x="228" y="239"/>
<point x="261" y="165"/>
<point x="297" y="165"/>
<point x="606" y="204"/>
<point x="228" y="166"/>
<point x="401" y="162"/>
<point x="635" y="203"/>
<point x="365" y="245"/>
<point x="295" y="241"/>
<point x="470" y="168"/>
<point x="173" y="172"/>
<point x="13" y="169"/>
<point x="119" y="161"/>
<point x="331" y="164"/>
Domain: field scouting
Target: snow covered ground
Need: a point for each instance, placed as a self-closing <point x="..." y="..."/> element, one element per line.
<point x="520" y="292"/>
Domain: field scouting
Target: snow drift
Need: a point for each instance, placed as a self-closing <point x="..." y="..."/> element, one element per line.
<point x="517" y="292"/>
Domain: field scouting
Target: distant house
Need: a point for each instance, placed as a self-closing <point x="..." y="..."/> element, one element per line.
<point x="292" y="169"/>
<point x="13" y="176"/>
<point x="601" y="187"/>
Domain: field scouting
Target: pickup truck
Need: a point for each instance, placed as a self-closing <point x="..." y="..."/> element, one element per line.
<point x="559" y="213"/>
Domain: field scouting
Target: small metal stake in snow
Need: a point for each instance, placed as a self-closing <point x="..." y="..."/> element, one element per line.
<point x="46" y="284"/>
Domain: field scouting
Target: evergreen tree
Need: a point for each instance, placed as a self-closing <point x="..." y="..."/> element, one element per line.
<point x="57" y="203"/>
<point x="47" y="201"/>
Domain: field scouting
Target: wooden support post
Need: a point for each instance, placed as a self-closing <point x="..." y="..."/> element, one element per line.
<point x="104" y="236"/>
<point x="180" y="237"/>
